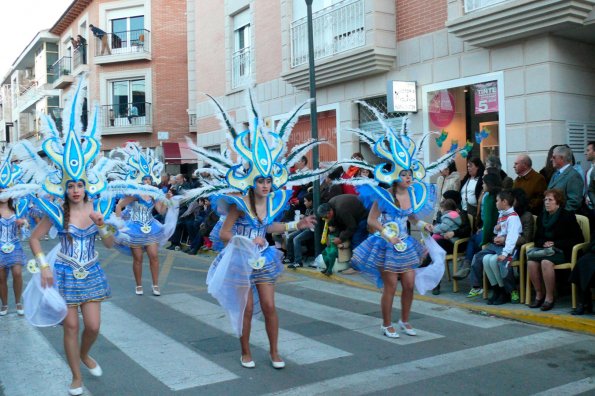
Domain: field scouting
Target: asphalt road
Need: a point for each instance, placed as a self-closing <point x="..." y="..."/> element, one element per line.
<point x="181" y="344"/>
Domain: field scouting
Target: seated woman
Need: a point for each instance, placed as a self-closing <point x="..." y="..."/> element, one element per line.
<point x="558" y="229"/>
<point x="583" y="276"/>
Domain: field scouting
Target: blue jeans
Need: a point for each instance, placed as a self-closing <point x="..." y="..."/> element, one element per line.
<point x="474" y="245"/>
<point x="295" y="240"/>
<point x="360" y="234"/>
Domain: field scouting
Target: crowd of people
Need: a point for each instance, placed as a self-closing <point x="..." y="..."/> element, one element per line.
<point x="256" y="212"/>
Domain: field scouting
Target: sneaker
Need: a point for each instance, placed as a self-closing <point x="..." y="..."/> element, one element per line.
<point x="177" y="248"/>
<point x="462" y="273"/>
<point x="287" y="260"/>
<point x="514" y="297"/>
<point x="295" y="265"/>
<point x="474" y="292"/>
<point x="173" y="247"/>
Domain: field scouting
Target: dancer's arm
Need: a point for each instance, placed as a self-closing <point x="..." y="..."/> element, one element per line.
<point x="162" y="206"/>
<point x="122" y="204"/>
<point x="43" y="227"/>
<point x="106" y="236"/>
<point x="225" y="234"/>
<point x="376" y="225"/>
<point x="306" y="222"/>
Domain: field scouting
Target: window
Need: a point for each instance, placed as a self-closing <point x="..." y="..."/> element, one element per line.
<point x="241" y="58"/>
<point x="128" y="99"/>
<point x="127" y="33"/>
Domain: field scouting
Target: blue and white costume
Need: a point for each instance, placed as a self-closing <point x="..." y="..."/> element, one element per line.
<point x="261" y="153"/>
<point x="11" y="251"/>
<point x="377" y="254"/>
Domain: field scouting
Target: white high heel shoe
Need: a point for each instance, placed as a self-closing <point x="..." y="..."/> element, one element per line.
<point x="408" y="330"/>
<point x="249" y="364"/>
<point x="278" y="365"/>
<point x="75" y="391"/>
<point x="388" y="333"/>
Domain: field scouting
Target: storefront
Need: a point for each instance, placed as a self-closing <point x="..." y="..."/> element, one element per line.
<point x="466" y="111"/>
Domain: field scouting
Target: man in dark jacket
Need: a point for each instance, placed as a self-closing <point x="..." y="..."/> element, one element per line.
<point x="349" y="217"/>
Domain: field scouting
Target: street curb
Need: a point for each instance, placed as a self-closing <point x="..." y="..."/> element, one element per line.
<point x="562" y="322"/>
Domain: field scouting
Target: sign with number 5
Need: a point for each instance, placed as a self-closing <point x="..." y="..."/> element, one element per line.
<point x="486" y="97"/>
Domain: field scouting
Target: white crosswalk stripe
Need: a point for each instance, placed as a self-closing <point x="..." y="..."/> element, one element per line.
<point x="359" y="323"/>
<point x="28" y="355"/>
<point x="381" y="379"/>
<point x="175" y="365"/>
<point x="571" y="389"/>
<point x="441" y="312"/>
<point x="295" y="347"/>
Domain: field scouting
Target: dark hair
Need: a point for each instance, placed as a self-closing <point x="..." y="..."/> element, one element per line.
<point x="507" y="195"/>
<point x="557" y="194"/>
<point x="253" y="204"/>
<point x="453" y="195"/>
<point x="448" y="204"/>
<point x="477" y="162"/>
<point x="493" y="183"/>
<point x="358" y="155"/>
<point x="336" y="174"/>
<point x="452" y="167"/>
<point x="66" y="209"/>
<point x="309" y="197"/>
<point x="521" y="201"/>
<point x="304" y="159"/>
<point x="591" y="143"/>
<point x="324" y="209"/>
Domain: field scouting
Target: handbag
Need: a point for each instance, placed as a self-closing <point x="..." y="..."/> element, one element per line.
<point x="540" y="253"/>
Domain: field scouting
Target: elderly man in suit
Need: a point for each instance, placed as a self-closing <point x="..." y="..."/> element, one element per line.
<point x="567" y="179"/>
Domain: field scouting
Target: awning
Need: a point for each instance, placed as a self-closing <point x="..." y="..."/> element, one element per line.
<point x="178" y="153"/>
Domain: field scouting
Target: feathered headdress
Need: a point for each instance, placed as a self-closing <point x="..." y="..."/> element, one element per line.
<point x="140" y="164"/>
<point x="261" y="153"/>
<point x="72" y="155"/>
<point x="9" y="172"/>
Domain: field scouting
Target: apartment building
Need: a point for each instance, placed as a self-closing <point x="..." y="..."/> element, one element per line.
<point x="136" y="68"/>
<point x="518" y="74"/>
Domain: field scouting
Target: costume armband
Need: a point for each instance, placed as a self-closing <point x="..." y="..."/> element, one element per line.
<point x="291" y="226"/>
<point x="388" y="233"/>
<point x="42" y="262"/>
<point x="421" y="224"/>
<point x="104" y="232"/>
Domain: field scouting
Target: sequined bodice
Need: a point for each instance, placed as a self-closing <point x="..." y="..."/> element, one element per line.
<point x="80" y="245"/>
<point x="141" y="212"/>
<point x="244" y="227"/>
<point x="8" y="229"/>
<point x="401" y="221"/>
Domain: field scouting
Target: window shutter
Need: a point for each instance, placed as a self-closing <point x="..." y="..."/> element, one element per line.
<point x="577" y="135"/>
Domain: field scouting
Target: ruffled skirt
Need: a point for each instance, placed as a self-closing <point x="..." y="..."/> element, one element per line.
<point x="79" y="291"/>
<point x="139" y="234"/>
<point x="17" y="256"/>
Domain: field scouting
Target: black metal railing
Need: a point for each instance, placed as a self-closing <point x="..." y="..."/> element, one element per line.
<point x="192" y="119"/>
<point x="79" y="56"/>
<point x="62" y="67"/>
<point x="126" y="42"/>
<point x="124" y="115"/>
<point x="55" y="114"/>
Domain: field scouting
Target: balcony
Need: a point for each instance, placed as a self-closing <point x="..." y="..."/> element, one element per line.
<point x="125" y="46"/>
<point x="79" y="56"/>
<point x="124" y="118"/>
<point x="490" y="22"/>
<point x="347" y="44"/>
<point x="62" y="69"/>
<point x="241" y="67"/>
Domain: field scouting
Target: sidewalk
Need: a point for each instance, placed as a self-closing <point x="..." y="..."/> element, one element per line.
<point x="559" y="317"/>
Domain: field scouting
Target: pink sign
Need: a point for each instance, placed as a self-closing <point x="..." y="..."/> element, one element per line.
<point x="442" y="108"/>
<point x="486" y="97"/>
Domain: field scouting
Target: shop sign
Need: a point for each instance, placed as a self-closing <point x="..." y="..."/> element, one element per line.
<point x="486" y="97"/>
<point x="442" y="108"/>
<point x="401" y="97"/>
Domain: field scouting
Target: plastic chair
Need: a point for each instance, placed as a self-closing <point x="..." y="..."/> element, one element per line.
<point x="583" y="222"/>
<point x="455" y="256"/>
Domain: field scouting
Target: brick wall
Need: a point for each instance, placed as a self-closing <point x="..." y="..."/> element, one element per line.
<point x="417" y="17"/>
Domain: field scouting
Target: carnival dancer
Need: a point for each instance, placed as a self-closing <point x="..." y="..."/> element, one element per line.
<point x="143" y="231"/>
<point x="78" y="214"/>
<point x="391" y="253"/>
<point x="12" y="256"/>
<point x="245" y="270"/>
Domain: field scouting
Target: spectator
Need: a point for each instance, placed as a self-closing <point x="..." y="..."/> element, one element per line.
<point x="450" y="220"/>
<point x="471" y="186"/>
<point x="164" y="184"/>
<point x="101" y="35"/>
<point x="485" y="233"/>
<point x="494" y="162"/>
<point x="531" y="182"/>
<point x="589" y="209"/>
<point x="567" y="179"/>
<point x="449" y="179"/>
<point x="132" y="113"/>
<point x="499" y="254"/>
<point x="583" y="276"/>
<point x="208" y="220"/>
<point x="548" y="170"/>
<point x="349" y="217"/>
<point x="328" y="189"/>
<point x="350" y="173"/>
<point x="296" y="239"/>
<point x="557" y="232"/>
<point x="82" y="47"/>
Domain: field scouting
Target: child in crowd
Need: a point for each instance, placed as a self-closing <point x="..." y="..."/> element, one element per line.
<point x="450" y="220"/>
<point x="330" y="253"/>
<point x="507" y="230"/>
